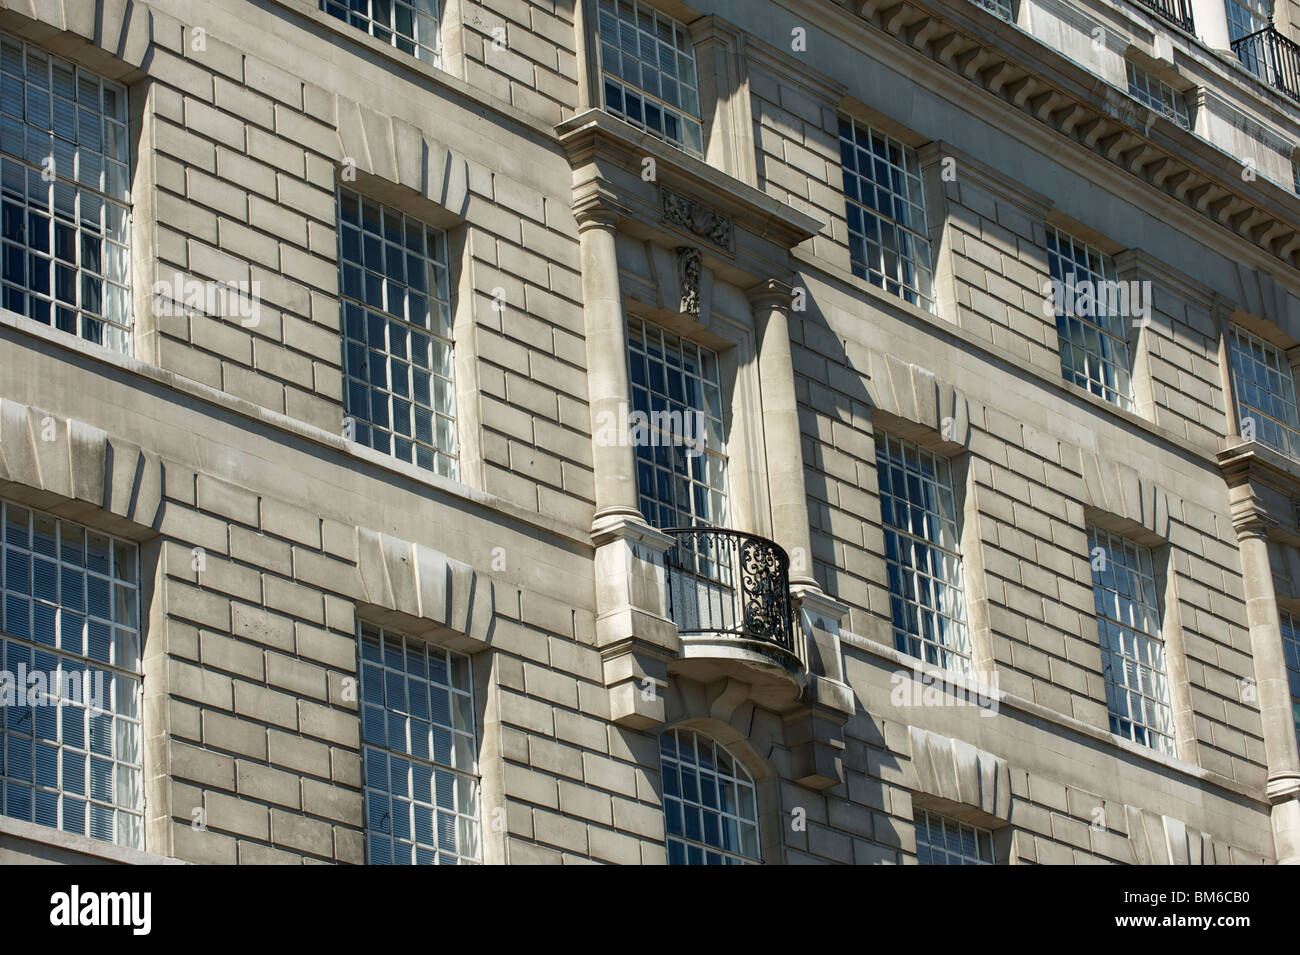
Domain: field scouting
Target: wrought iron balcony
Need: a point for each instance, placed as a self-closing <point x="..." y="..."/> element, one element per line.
<point x="725" y="584"/>
<point x="1177" y="12"/>
<point x="1272" y="57"/>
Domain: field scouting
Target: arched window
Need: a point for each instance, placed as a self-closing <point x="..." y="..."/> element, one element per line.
<point x="710" y="809"/>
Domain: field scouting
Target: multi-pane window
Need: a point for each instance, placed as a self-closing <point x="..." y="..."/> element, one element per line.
<point x="885" y="209"/>
<point x="647" y="70"/>
<point x="70" y="740"/>
<point x="64" y="257"/>
<point x="1246" y="17"/>
<point x="919" y="512"/>
<point x="1089" y="321"/>
<point x="1001" y="8"/>
<point x="1265" y="389"/>
<point x="677" y="400"/>
<point x="1132" y="649"/>
<point x="944" y="841"/>
<point x="409" y="25"/>
<point x="419" y="753"/>
<point x="1291" y="651"/>
<point x="397" y="334"/>
<point x="1159" y="95"/>
<point x="710" y="805"/>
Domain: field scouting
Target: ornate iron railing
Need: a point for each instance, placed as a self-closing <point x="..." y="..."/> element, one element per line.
<point x="1272" y="57"/>
<point x="732" y="584"/>
<point x="1177" y="12"/>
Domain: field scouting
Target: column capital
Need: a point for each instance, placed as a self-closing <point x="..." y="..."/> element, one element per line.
<point x="596" y="212"/>
<point x="770" y="294"/>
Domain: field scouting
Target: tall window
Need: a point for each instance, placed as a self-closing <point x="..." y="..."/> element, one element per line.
<point x="919" y="512"/>
<point x="409" y="25"/>
<point x="677" y="397"/>
<point x="1093" y="339"/>
<point x="710" y="806"/>
<point x="397" y="328"/>
<point x="1291" y="650"/>
<point x="419" y="753"/>
<point x="647" y="69"/>
<point x="944" y="841"/>
<point x="1132" y="650"/>
<point x="1265" y="388"/>
<point x="885" y="208"/>
<point x="64" y="233"/>
<point x="1159" y="95"/>
<point x="70" y="690"/>
<point x="1246" y="17"/>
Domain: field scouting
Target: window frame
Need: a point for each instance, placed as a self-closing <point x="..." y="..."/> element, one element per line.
<point x="598" y="73"/>
<point x="964" y="649"/>
<point x="921" y="261"/>
<point x="1119" y="338"/>
<point x="710" y="452"/>
<point x="743" y="780"/>
<point x="1144" y="639"/>
<point x="440" y="333"/>
<point x="1248" y="12"/>
<point x="114" y="133"/>
<point x="124" y="596"/>
<point x="1155" y="99"/>
<point x="985" y="839"/>
<point x="1289" y="429"/>
<point x="368" y="25"/>
<point x="364" y="632"/>
<point x="1289" y="627"/>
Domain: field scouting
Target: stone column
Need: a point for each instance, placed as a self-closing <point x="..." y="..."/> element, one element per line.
<point x="814" y="730"/>
<point x="609" y="390"/>
<point x="1211" y="23"/>
<point x="633" y="633"/>
<point x="781" y="438"/>
<point x="1281" y="752"/>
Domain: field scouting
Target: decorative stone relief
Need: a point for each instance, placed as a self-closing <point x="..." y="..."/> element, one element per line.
<point x="697" y="218"/>
<point x="688" y="274"/>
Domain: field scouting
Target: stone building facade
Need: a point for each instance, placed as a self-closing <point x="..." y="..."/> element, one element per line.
<point x="631" y="431"/>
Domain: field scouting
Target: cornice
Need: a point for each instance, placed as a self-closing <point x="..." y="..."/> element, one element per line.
<point x="1065" y="98"/>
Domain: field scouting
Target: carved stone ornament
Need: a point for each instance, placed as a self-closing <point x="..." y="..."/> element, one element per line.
<point x="688" y="274"/>
<point x="698" y="219"/>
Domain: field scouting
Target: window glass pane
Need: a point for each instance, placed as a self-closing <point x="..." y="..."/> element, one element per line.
<point x="81" y="738"/>
<point x="409" y="25"/>
<point x="1265" y="387"/>
<point x="1291" y="652"/>
<point x="64" y="148"/>
<point x="944" y="841"/>
<point x="919" y="514"/>
<point x="710" y="816"/>
<point x="648" y="68"/>
<point x="1090" y="321"/>
<point x="1158" y="95"/>
<point x="1246" y="17"/>
<point x="1132" y="648"/>
<point x="397" y="347"/>
<point x="413" y="774"/>
<point x="677" y="428"/>
<point x="888" y="239"/>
